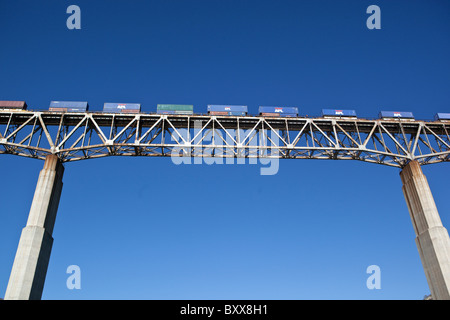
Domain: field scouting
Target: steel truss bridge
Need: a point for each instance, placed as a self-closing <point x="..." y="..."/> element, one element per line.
<point x="63" y="137"/>
<point x="79" y="136"/>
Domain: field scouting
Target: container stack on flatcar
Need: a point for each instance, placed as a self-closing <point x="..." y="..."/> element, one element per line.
<point x="13" y="105"/>
<point x="174" y="109"/>
<point x="338" y="113"/>
<point x="122" y="107"/>
<point x="402" y="115"/>
<point x="215" y="110"/>
<point x="278" y="111"/>
<point x="442" y="117"/>
<point x="68" y="106"/>
<point x="227" y="110"/>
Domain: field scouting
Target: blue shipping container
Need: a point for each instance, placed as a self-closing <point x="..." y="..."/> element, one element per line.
<point x="69" y="106"/>
<point x="396" y="114"/>
<point x="122" y="107"/>
<point x="226" y="108"/>
<point x="442" y="116"/>
<point x="338" y="113"/>
<point x="282" y="111"/>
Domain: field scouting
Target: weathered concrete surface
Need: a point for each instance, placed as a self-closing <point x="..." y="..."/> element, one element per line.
<point x="33" y="253"/>
<point x="432" y="238"/>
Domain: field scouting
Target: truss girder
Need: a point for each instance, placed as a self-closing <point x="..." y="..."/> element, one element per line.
<point x="80" y="136"/>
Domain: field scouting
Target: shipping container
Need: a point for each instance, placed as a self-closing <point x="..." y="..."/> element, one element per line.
<point x="183" y="112"/>
<point x="218" y="113"/>
<point x="21" y="105"/>
<point x="122" y="107"/>
<point x="174" y="112"/>
<point x="396" y="115"/>
<point x="278" y="111"/>
<point x="229" y="110"/>
<point x="165" y="112"/>
<point x="69" y="106"/>
<point x="442" y="116"/>
<point x="338" y="113"/>
<point x="227" y="113"/>
<point x="174" y="109"/>
<point x="268" y="114"/>
<point x="286" y="115"/>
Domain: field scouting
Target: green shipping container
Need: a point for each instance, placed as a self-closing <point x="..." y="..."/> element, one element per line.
<point x="175" y="107"/>
<point x="183" y="112"/>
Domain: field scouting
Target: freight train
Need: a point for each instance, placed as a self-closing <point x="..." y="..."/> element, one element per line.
<point x="214" y="110"/>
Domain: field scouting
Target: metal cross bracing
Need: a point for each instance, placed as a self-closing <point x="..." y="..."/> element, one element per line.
<point x="79" y="136"/>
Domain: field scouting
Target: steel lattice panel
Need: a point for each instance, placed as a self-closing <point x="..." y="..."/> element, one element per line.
<point x="79" y="136"/>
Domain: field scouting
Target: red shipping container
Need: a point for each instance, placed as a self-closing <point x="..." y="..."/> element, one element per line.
<point x="13" y="105"/>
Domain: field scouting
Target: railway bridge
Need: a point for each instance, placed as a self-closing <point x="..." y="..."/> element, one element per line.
<point x="62" y="137"/>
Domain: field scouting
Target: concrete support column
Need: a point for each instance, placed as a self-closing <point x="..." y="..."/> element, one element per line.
<point x="432" y="238"/>
<point x="33" y="253"/>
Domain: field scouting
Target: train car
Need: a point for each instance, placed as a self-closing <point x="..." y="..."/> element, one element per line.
<point x="175" y="109"/>
<point x="442" y="117"/>
<point x="389" y="115"/>
<point x="278" y="111"/>
<point x="227" y="110"/>
<point x="339" y="113"/>
<point x="13" y="105"/>
<point x="69" y="106"/>
<point x="122" y="107"/>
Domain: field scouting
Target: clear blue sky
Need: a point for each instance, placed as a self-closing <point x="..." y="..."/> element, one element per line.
<point x="145" y="228"/>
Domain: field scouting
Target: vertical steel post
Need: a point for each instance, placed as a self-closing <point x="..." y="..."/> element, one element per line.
<point x="33" y="253"/>
<point x="432" y="239"/>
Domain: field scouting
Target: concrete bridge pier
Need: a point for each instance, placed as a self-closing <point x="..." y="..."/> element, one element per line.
<point x="27" y="277"/>
<point x="432" y="238"/>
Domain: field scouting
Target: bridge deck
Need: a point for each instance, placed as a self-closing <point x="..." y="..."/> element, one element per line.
<point x="78" y="136"/>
